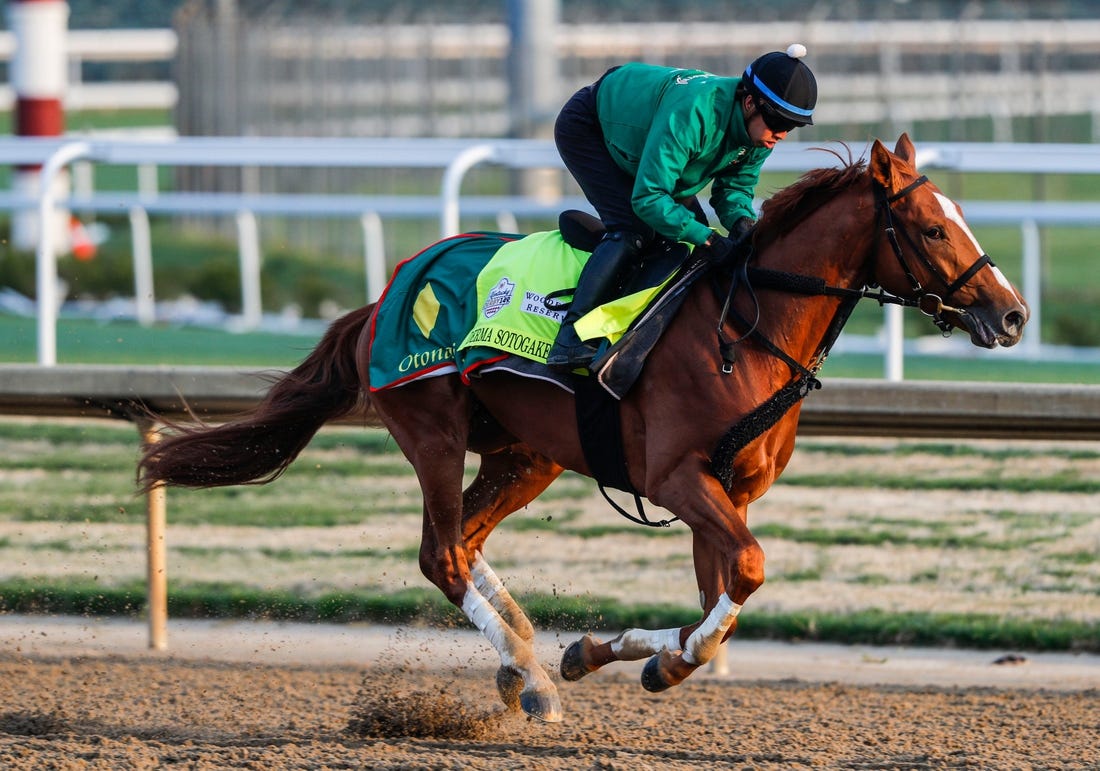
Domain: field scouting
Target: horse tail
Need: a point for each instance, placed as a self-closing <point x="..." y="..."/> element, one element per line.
<point x="258" y="447"/>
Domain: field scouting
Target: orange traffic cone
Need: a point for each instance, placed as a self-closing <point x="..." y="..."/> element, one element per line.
<point x="83" y="247"/>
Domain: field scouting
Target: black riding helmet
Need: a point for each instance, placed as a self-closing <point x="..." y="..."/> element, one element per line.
<point x="783" y="87"/>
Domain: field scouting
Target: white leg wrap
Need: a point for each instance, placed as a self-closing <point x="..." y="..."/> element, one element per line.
<point x="486" y="581"/>
<point x="704" y="641"/>
<point x="634" y="644"/>
<point x="486" y="619"/>
<point x="492" y="589"/>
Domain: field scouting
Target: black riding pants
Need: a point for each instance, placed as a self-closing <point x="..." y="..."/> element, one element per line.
<point x="607" y="187"/>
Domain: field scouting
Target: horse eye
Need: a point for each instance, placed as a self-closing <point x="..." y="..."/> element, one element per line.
<point x="935" y="232"/>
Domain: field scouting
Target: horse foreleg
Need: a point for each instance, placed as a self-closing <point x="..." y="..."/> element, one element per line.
<point x="701" y="644"/>
<point x="678" y="652"/>
<point x="723" y="592"/>
<point x="667" y="668"/>
<point x="588" y="654"/>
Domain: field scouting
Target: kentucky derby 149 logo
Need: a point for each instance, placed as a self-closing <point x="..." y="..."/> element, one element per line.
<point x="499" y="296"/>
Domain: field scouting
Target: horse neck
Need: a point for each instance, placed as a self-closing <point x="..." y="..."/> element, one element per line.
<point x="834" y="244"/>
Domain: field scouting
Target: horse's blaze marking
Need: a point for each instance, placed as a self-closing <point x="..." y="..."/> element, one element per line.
<point x="952" y="212"/>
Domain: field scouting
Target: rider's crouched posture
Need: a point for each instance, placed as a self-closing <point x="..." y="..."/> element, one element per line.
<point x="643" y="140"/>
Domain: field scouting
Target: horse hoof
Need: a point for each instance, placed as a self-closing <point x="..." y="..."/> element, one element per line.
<point x="573" y="666"/>
<point x="509" y="686"/>
<point x="541" y="706"/>
<point x="652" y="680"/>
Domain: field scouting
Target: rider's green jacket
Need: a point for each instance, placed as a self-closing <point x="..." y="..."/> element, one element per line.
<point x="675" y="131"/>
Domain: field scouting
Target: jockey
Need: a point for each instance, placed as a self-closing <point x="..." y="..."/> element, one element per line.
<point x="644" y="139"/>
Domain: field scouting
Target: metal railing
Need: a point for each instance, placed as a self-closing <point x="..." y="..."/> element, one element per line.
<point x="455" y="158"/>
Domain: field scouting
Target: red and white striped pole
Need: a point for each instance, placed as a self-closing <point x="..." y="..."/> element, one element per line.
<point x="39" y="78"/>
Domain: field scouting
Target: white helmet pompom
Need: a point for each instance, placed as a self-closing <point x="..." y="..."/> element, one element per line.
<point x="796" y="50"/>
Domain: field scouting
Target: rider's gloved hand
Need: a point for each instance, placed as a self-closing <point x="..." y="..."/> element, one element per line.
<point x="718" y="249"/>
<point x="721" y="250"/>
<point x="742" y="230"/>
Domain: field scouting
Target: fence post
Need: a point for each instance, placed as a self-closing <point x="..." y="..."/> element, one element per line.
<point x="452" y="185"/>
<point x="248" y="244"/>
<point x="1032" y="286"/>
<point x="374" y="254"/>
<point x="141" y="241"/>
<point x="894" y="331"/>
<point x="156" y="548"/>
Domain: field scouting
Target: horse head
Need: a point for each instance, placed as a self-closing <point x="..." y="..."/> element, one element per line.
<point x="927" y="253"/>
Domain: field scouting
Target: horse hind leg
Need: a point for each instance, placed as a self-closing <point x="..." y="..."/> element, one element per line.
<point x="429" y="420"/>
<point x="506" y="481"/>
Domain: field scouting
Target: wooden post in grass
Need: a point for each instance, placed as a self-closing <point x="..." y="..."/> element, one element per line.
<point x="156" y="549"/>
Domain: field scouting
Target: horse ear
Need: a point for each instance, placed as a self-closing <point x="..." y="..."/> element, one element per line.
<point x="905" y="149"/>
<point x="882" y="165"/>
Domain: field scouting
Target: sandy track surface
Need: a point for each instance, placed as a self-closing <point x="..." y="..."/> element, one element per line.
<point x="82" y="693"/>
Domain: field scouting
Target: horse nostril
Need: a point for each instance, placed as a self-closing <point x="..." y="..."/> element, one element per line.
<point x="1014" y="320"/>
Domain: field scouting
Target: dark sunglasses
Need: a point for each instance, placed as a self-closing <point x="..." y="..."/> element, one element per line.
<point x="773" y="120"/>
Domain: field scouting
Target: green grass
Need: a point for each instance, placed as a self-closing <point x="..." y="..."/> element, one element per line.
<point x="81" y="341"/>
<point x="895" y="537"/>
<point x="945" y="450"/>
<point x="61" y="471"/>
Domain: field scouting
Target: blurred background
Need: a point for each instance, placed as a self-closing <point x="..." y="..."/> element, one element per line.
<point x="1000" y="534"/>
<point x="946" y="71"/>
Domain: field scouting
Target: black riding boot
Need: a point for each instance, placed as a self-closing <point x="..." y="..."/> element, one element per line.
<point x="594" y="287"/>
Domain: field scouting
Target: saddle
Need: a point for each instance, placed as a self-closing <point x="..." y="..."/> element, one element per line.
<point x="617" y="366"/>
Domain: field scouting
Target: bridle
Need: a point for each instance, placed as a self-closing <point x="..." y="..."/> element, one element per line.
<point x="929" y="303"/>
<point x="932" y="305"/>
<point x="804" y="377"/>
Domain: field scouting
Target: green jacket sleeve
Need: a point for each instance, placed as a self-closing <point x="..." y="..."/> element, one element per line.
<point x="672" y="140"/>
<point x="731" y="194"/>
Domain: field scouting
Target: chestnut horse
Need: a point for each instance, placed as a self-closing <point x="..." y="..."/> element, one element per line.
<point x="829" y="236"/>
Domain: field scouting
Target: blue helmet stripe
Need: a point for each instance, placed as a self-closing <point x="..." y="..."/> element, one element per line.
<point x="774" y="97"/>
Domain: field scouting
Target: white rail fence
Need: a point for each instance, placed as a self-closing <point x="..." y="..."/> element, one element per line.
<point x="108" y="45"/>
<point x="455" y="158"/>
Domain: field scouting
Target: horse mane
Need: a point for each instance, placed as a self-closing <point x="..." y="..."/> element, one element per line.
<point x="784" y="210"/>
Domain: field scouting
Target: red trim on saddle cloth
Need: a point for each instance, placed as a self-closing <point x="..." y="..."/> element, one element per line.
<point x="466" y="373"/>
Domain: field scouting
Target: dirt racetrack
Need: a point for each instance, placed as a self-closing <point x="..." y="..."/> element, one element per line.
<point x="81" y="694"/>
